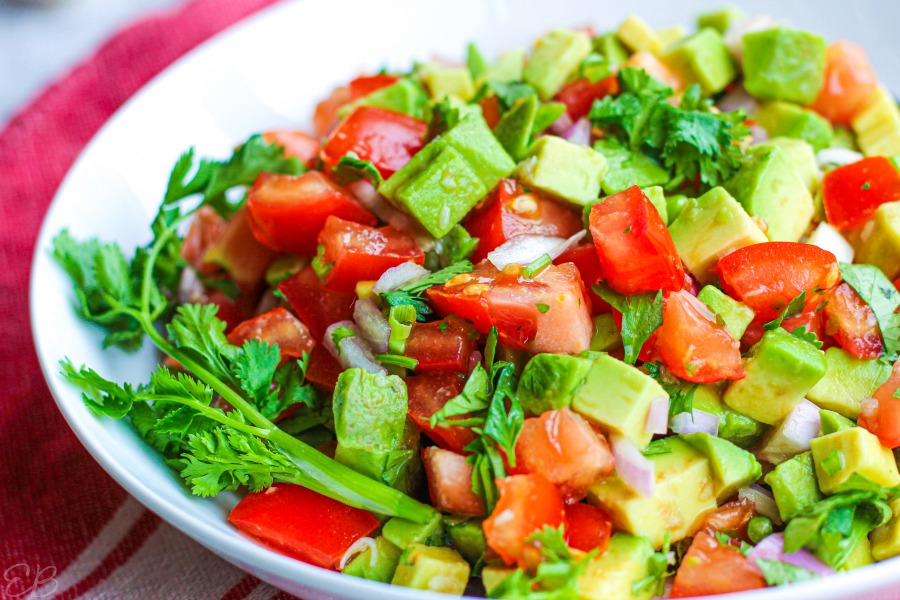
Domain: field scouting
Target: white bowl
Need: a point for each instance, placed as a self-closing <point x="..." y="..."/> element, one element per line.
<point x="268" y="72"/>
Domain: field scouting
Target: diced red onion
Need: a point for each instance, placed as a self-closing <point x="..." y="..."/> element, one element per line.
<point x="399" y="276"/>
<point x="372" y="325"/>
<point x="634" y="468"/>
<point x="793" y="434"/>
<point x="354" y="352"/>
<point x="772" y="548"/>
<point x="524" y="249"/>
<point x="579" y="133"/>
<point x="828" y="238"/>
<point x="837" y="157"/>
<point x="734" y="37"/>
<point x="697" y="421"/>
<point x="759" y="134"/>
<point x="190" y="288"/>
<point x="562" y="124"/>
<point x="358" y="547"/>
<point x="763" y="500"/>
<point x="737" y="99"/>
<point x="658" y="416"/>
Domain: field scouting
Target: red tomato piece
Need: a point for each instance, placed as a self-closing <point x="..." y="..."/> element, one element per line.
<point x="852" y="193"/>
<point x="490" y="110"/>
<point x="881" y="413"/>
<point x="206" y="229"/>
<point x="527" y="503"/>
<point x="579" y="95"/>
<point x="450" y="482"/>
<point x="325" y="118"/>
<point x="849" y="81"/>
<point x="511" y="212"/>
<point x="561" y="446"/>
<point x="386" y="138"/>
<point x="812" y="320"/>
<point x="358" y="252"/>
<point x="277" y="326"/>
<point x="287" y="213"/>
<point x="548" y="313"/>
<point x="587" y="527"/>
<point x="231" y="310"/>
<point x="694" y="345"/>
<point x="317" y="307"/>
<point x="298" y="144"/>
<point x="240" y="254"/>
<point x="767" y="276"/>
<point x="852" y="323"/>
<point x="440" y="346"/>
<point x="366" y="84"/>
<point x="428" y="393"/>
<point x="637" y="254"/>
<point x="585" y="258"/>
<point x="323" y="369"/>
<point x="302" y="524"/>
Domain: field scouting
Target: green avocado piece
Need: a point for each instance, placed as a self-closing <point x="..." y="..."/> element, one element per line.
<point x="657" y="197"/>
<point x="879" y="240"/>
<point x="671" y="35"/>
<point x="674" y="205"/>
<point x="784" y="64"/>
<point x="507" y="69"/>
<point x="606" y="335"/>
<point x="710" y="227"/>
<point x="684" y="493"/>
<point x="768" y="186"/>
<point x="555" y="58"/>
<point x="627" y="168"/>
<point x="467" y="536"/>
<point x="736" y="315"/>
<point x="432" y="568"/>
<point x="611" y="575"/>
<point x="611" y="48"/>
<point x="781" y="369"/>
<point x="832" y="422"/>
<point x="402" y="532"/>
<point x="844" y="456"/>
<point x="404" y="96"/>
<point x="738" y="429"/>
<point x="445" y="82"/>
<point x="732" y="467"/>
<point x="786" y="119"/>
<point x="800" y="154"/>
<point x="847" y="381"/>
<point x="567" y="171"/>
<point x="722" y="19"/>
<point x="636" y="35"/>
<point x="493" y="575"/>
<point x="877" y="124"/>
<point x="549" y="382"/>
<point x="703" y="58"/>
<point x="794" y="485"/>
<point x="382" y="569"/>
<point x="514" y="129"/>
<point x="886" y="539"/>
<point x="616" y="396"/>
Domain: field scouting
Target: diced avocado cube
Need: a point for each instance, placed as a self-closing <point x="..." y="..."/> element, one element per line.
<point x="448" y="82"/>
<point x="840" y="455"/>
<point x="606" y="335"/>
<point x="860" y="557"/>
<point x="611" y="48"/>
<point x="800" y="154"/>
<point x="847" y="381"/>
<point x="780" y="371"/>
<point x="784" y="64"/>
<point x="736" y="314"/>
<point x="877" y="124"/>
<point x="674" y="205"/>
<point x="617" y="396"/>
<point x="382" y="568"/>
<point x="886" y="539"/>
<point x="636" y="35"/>
<point x="767" y="186"/>
<point x="732" y="468"/>
<point x="790" y="120"/>
<point x="627" y="168"/>
<point x="792" y="435"/>
<point x="722" y="19"/>
<point x="493" y="575"/>
<point x="794" y="485"/>
<point x="568" y="171"/>
<point x="432" y="568"/>
<point x="612" y="574"/>
<point x="549" y="381"/>
<point x="507" y="69"/>
<point x="710" y="227"/>
<point x="879" y="240"/>
<point x="657" y="197"/>
<point x="555" y="58"/>
<point x="671" y="508"/>
<point x="832" y="422"/>
<point x="671" y="35"/>
<point x="515" y="127"/>
<point x="473" y="139"/>
<point x="402" y="532"/>
<point x="738" y="429"/>
<point x="702" y="58"/>
<point x="467" y="536"/>
<point x="405" y="96"/>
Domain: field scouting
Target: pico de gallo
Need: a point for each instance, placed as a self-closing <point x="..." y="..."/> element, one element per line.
<point x="612" y="317"/>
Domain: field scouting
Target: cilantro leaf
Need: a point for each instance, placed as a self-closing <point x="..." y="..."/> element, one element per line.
<point x="454" y="247"/>
<point x="807" y="336"/>
<point x="879" y="293"/>
<point x="199" y="333"/>
<point x="681" y="393"/>
<point x="641" y="316"/>
<point x="504" y="425"/>
<point x="658" y="570"/>
<point x="793" y="308"/>
<point x="418" y="286"/>
<point x="399" y="298"/>
<point x="781" y="573"/>
<point x="475" y="397"/>
<point x="351" y="168"/>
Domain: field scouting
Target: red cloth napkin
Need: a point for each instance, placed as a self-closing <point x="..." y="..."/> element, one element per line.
<point x="66" y="529"/>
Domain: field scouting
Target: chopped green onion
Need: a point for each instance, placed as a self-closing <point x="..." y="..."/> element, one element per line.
<point x="318" y="263"/>
<point x="399" y="361"/>
<point x="536" y="266"/>
<point x="400" y="319"/>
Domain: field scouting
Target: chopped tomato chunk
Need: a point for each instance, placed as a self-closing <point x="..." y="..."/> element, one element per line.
<point x="325" y="118"/>
<point x="881" y="413"/>
<point x="852" y="323"/>
<point x="323" y="369"/>
<point x="637" y="254"/>
<point x="849" y="81"/>
<point x="490" y="110"/>
<point x="364" y="85"/>
<point x="767" y="276"/>
<point x="527" y="503"/>
<point x="317" y="307"/>
<point x="206" y="229"/>
<point x="561" y="446"/>
<point x="240" y="254"/>
<point x="287" y="213"/>
<point x="585" y="258"/>
<point x="277" y="326"/>
<point x="358" y="253"/>
<point x="511" y="211"/>
<point x="852" y="193"/>
<point x="587" y="527"/>
<point x="298" y="144"/>
<point x="579" y="95"/>
<point x="428" y="393"/>
<point x="450" y="482"/>
<point x="440" y="346"/>
<point x="301" y="523"/>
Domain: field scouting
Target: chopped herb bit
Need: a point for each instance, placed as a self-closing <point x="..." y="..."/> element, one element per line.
<point x="536" y="266"/>
<point x="641" y="316"/>
<point x="399" y="361"/>
<point x="542" y="307"/>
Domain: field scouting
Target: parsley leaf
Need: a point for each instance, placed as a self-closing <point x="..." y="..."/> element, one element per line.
<point x="879" y="293"/>
<point x="641" y="316"/>
<point x="781" y="573"/>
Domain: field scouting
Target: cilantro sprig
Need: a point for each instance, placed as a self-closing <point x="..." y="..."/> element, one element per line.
<point x="641" y="316"/>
